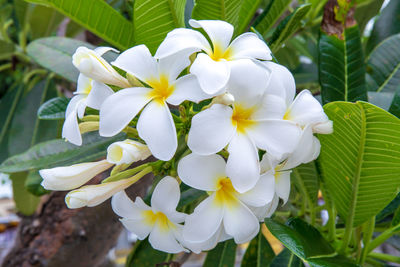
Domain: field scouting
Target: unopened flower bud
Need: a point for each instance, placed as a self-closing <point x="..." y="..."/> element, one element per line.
<point x="127" y="152"/>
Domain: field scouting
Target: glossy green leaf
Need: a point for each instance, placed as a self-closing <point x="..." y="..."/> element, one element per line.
<point x="307" y="243"/>
<point x="389" y="209"/>
<point x="366" y="10"/>
<point x="305" y="177"/>
<point x="396" y="217"/>
<point x="33" y="184"/>
<point x="360" y="160"/>
<point x="387" y="24"/>
<point x="288" y="27"/>
<point x="259" y="253"/>
<point x="55" y="54"/>
<point x="286" y="259"/>
<point x="383" y="67"/>
<point x="341" y="67"/>
<point x="223" y="255"/>
<point x="153" y="19"/>
<point x="53" y="109"/>
<point x="144" y="255"/>
<point x="25" y="202"/>
<point x="189" y="196"/>
<point x="246" y="14"/>
<point x="395" y="105"/>
<point x="226" y="10"/>
<point x="60" y="153"/>
<point x="98" y="17"/>
<point x="43" y="21"/>
<point x="270" y="15"/>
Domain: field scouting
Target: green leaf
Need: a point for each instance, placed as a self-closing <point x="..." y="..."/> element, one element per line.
<point x="226" y="10"/>
<point x="6" y="50"/>
<point x="288" y="27"/>
<point x="360" y="160"/>
<point x="153" y="19"/>
<point x="270" y="15"/>
<point x="387" y="24"/>
<point x="389" y="209"/>
<point x="25" y="202"/>
<point x="383" y="67"/>
<point x="286" y="259"/>
<point x="43" y="21"/>
<point x="381" y="99"/>
<point x="53" y="109"/>
<point x="396" y="217"/>
<point x="55" y="54"/>
<point x="341" y="67"/>
<point x="60" y="153"/>
<point x="305" y="177"/>
<point x="144" y="255"/>
<point x="259" y="253"/>
<point x="307" y="243"/>
<point x="98" y="17"/>
<point x="246" y="14"/>
<point x="366" y="10"/>
<point x="395" y="106"/>
<point x="189" y="196"/>
<point x="33" y="184"/>
<point x="223" y="255"/>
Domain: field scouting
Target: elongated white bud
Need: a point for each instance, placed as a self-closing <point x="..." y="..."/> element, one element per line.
<point x="127" y="152"/>
<point x="71" y="177"/>
<point x="323" y="127"/>
<point x="224" y="99"/>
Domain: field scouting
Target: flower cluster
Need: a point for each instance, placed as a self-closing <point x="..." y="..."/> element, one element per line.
<point x="238" y="143"/>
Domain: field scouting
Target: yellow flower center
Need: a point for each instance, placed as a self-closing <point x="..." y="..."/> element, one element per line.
<point x="161" y="89"/>
<point x="241" y="118"/>
<point x="225" y="194"/>
<point x="150" y="218"/>
<point x="287" y="115"/>
<point x="219" y="53"/>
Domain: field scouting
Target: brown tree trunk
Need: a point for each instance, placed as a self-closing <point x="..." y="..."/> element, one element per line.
<point x="58" y="236"/>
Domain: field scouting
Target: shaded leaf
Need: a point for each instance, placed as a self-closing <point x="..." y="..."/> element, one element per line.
<point x="25" y="202"/>
<point x="33" y="184"/>
<point x="153" y="19"/>
<point x="143" y="254"/>
<point x="98" y="17"/>
<point x="43" y="21"/>
<point x="383" y="67"/>
<point x="381" y="99"/>
<point x="189" y="196"/>
<point x="259" y="253"/>
<point x="305" y="177"/>
<point x="53" y="109"/>
<point x="223" y="255"/>
<point x="60" y="153"/>
<point x="360" y="159"/>
<point x="389" y="209"/>
<point x="366" y="10"/>
<point x="286" y="259"/>
<point x="270" y="15"/>
<point x="55" y="54"/>
<point x="288" y="27"/>
<point x="246" y="14"/>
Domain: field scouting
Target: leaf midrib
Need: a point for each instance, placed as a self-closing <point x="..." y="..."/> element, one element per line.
<point x="389" y="78"/>
<point x="346" y="93"/>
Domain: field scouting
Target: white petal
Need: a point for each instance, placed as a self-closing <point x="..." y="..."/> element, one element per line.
<point x="71" y="177"/>
<point x="70" y="129"/>
<point x="204" y="221"/>
<point x="127" y="152"/>
<point x="101" y="50"/>
<point x="240" y="223"/>
<point x="261" y="194"/>
<point x="98" y="94"/>
<point x="182" y="40"/>
<point x="124" y="207"/>
<point x="156" y="127"/>
<point x="270" y="107"/>
<point x="209" y="243"/>
<point x="213" y="75"/>
<point x="323" y="127"/>
<point x="282" y="184"/>
<point x="305" y="109"/>
<point x="187" y="88"/>
<point x="164" y="240"/>
<point x="268" y="163"/>
<point x="139" y="227"/>
<point x="211" y="130"/>
<point x="242" y="167"/>
<point x="173" y="65"/>
<point x="277" y="137"/>
<point x="266" y="211"/>
<point x="120" y="108"/>
<point x="201" y="172"/>
<point x="247" y="82"/>
<point x="166" y="195"/>
<point x="248" y="45"/>
<point x="282" y="81"/>
<point x="83" y="85"/>
<point x="139" y="62"/>
<point x="220" y="32"/>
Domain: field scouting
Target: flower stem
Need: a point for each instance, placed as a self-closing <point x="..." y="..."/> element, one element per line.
<point x="383" y="237"/>
<point x="128" y="173"/>
<point x="384" y="257"/>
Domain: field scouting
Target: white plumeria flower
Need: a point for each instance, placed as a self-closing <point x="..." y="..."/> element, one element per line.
<point x="91" y="64"/>
<point x="267" y="210"/>
<point x="161" y="221"/>
<point x="74" y="176"/>
<point x="155" y="125"/>
<point x="224" y="207"/>
<point x="89" y="93"/>
<point x="127" y="152"/>
<point x="212" y="67"/>
<point x="304" y="109"/>
<point x="93" y="195"/>
<point x="67" y="178"/>
<point x="245" y="126"/>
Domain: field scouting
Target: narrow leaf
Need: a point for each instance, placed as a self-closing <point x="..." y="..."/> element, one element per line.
<point x="55" y="54"/>
<point x="53" y="109"/>
<point x="259" y="253"/>
<point x="360" y="159"/>
<point x="144" y="255"/>
<point x="246" y="14"/>
<point x="223" y="255"/>
<point x="270" y="15"/>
